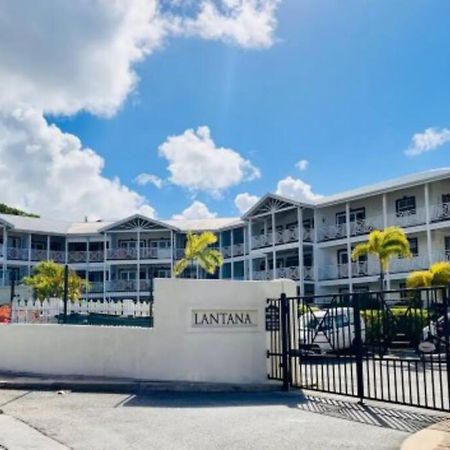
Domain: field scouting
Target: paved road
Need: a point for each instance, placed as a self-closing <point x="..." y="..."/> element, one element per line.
<point x="202" y="421"/>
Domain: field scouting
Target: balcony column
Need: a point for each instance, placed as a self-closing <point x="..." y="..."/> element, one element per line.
<point x="105" y="257"/>
<point x="232" y="252"/>
<point x="88" y="260"/>
<point x="385" y="224"/>
<point x="30" y="237"/>
<point x="220" y="250"/>
<point x="48" y="247"/>
<point x="250" y="259"/>
<point x="315" y="249"/>
<point x="427" y="221"/>
<point x="300" y="251"/>
<point x="244" y="235"/>
<point x="138" y="265"/>
<point x="349" y="247"/>
<point x="274" y="253"/>
<point x="5" y="255"/>
<point x="172" y="252"/>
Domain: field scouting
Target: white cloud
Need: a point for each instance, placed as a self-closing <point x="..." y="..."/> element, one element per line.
<point x="197" y="210"/>
<point x="296" y="189"/>
<point x="247" y="23"/>
<point x="430" y="139"/>
<point x="245" y="201"/>
<point x="66" y="56"/>
<point x="147" y="178"/>
<point x="196" y="163"/>
<point x="46" y="171"/>
<point x="302" y="164"/>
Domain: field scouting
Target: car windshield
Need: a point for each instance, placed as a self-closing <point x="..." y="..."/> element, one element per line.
<point x="325" y="321"/>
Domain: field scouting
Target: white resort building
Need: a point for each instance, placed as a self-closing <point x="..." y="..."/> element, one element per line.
<point x="277" y="238"/>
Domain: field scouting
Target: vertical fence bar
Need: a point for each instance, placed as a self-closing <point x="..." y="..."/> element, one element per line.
<point x="446" y="337"/>
<point x="66" y="290"/>
<point x="285" y="340"/>
<point x="358" y="348"/>
<point x="13" y="290"/>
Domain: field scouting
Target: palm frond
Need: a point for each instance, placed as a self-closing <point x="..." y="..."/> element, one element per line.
<point x="180" y="266"/>
<point x="361" y="250"/>
<point x="419" y="279"/>
<point x="440" y="273"/>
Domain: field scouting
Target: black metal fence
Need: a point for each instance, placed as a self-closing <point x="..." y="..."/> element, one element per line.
<point x="391" y="346"/>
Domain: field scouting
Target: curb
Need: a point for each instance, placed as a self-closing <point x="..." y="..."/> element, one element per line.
<point x="435" y="437"/>
<point x="128" y="386"/>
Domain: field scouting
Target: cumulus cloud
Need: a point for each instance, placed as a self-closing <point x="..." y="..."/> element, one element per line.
<point x="296" y="189"/>
<point x="302" y="164"/>
<point x="247" y="23"/>
<point x="430" y="139"/>
<point x="49" y="172"/>
<point x="198" y="210"/>
<point x="245" y="201"/>
<point x="196" y="163"/>
<point x="147" y="178"/>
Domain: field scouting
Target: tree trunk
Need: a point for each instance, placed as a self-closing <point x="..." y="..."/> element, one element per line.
<point x="381" y="277"/>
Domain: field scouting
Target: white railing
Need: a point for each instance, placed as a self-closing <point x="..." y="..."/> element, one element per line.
<point x="440" y="212"/>
<point x="238" y="249"/>
<point x="38" y="254"/>
<point x="77" y="256"/>
<point x="96" y="255"/>
<point x="262" y="274"/>
<point x="333" y="272"/>
<point x="47" y="311"/>
<point x="409" y="218"/>
<point x="308" y="273"/>
<point x="287" y="235"/>
<point x="263" y="240"/>
<point x="360" y="269"/>
<point x="407" y="264"/>
<point x="17" y="253"/>
<point x="288" y="272"/>
<point x="329" y="232"/>
<point x="308" y="234"/>
<point x="58" y="255"/>
<point x="226" y="251"/>
<point x="365" y="226"/>
<point x="95" y="287"/>
<point x="441" y="256"/>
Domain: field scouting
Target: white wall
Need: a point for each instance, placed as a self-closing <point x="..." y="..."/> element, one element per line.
<point x="172" y="350"/>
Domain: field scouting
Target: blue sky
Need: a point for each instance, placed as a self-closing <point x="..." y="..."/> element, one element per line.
<point x="345" y="86"/>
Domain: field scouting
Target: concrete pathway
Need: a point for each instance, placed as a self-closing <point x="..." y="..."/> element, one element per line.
<point x="435" y="437"/>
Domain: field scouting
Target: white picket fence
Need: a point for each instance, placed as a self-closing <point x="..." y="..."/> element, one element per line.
<point x="47" y="311"/>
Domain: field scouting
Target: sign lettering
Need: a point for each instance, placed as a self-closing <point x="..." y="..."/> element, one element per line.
<point x="224" y="318"/>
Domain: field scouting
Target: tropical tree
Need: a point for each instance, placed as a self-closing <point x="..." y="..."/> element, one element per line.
<point x="47" y="281"/>
<point x="198" y="250"/>
<point x="437" y="275"/>
<point x="385" y="245"/>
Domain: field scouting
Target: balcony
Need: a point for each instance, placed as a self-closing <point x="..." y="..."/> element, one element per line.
<point x="292" y="273"/>
<point x="410" y="218"/>
<point x="229" y="251"/>
<point x="285" y="236"/>
<point x="440" y="212"/>
<point x="331" y="232"/>
<point x="400" y="265"/>
<point x="77" y="256"/>
<point x="17" y="254"/>
<point x="129" y="285"/>
<point x="263" y="240"/>
<point x="357" y="228"/>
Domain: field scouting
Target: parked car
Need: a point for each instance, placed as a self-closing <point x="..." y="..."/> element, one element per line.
<point x="328" y="330"/>
<point x="435" y="333"/>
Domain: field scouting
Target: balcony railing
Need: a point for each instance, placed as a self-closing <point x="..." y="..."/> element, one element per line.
<point x="229" y="251"/>
<point x="329" y="232"/>
<point x="226" y="251"/>
<point x="410" y="218"/>
<point x="399" y="265"/>
<point x="128" y="285"/>
<point x="365" y="226"/>
<point x="285" y="236"/>
<point x="440" y="212"/>
<point x="238" y="249"/>
<point x="292" y="273"/>
<point x="263" y="240"/>
<point x="17" y="254"/>
<point x="77" y="256"/>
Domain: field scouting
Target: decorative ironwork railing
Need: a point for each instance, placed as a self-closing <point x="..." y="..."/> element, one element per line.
<point x="18" y="254"/>
<point x="408" y="218"/>
<point x="440" y="212"/>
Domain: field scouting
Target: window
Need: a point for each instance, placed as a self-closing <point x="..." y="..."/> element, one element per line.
<point x="445" y="198"/>
<point x="405" y="206"/>
<point x="291" y="261"/>
<point x="340" y="218"/>
<point x="308" y="223"/>
<point x="414" y="246"/>
<point x="342" y="257"/>
<point x="447" y="246"/>
<point x="355" y="216"/>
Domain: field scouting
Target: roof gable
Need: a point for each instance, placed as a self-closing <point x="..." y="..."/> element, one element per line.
<point x="137" y="221"/>
<point x="270" y="203"/>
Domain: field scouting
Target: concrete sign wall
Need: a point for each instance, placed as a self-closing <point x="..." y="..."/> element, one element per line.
<point x="204" y="330"/>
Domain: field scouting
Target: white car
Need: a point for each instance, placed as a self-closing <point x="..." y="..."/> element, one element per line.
<point x="328" y="330"/>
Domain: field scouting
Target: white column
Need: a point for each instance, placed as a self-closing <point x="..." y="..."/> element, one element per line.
<point x="232" y="253"/>
<point x="244" y="234"/>
<point x="315" y="248"/>
<point x="5" y="255"/>
<point x="250" y="259"/>
<point x="29" y="253"/>
<point x="48" y="247"/>
<point x="138" y="265"/>
<point x="105" y="256"/>
<point x="86" y="277"/>
<point x="172" y="252"/>
<point x="427" y="221"/>
<point x="274" y="253"/>
<point x="385" y="224"/>
<point x="349" y="246"/>
<point x="220" y="250"/>
<point x="300" y="251"/>
<point x="197" y="270"/>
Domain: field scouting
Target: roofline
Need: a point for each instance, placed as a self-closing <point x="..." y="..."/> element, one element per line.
<point x="140" y="216"/>
<point x="323" y="202"/>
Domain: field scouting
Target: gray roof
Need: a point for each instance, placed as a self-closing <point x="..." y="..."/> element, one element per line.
<point x="205" y="224"/>
<point x="385" y="186"/>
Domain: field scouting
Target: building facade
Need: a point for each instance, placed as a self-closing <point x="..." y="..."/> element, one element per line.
<point x="278" y="237"/>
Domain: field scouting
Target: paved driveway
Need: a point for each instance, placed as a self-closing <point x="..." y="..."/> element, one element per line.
<point x="205" y="421"/>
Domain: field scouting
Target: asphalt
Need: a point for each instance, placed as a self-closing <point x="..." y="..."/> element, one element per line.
<point x="201" y="420"/>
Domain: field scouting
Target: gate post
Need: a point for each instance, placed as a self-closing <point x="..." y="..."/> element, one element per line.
<point x="285" y="360"/>
<point x="358" y="347"/>
<point x="65" y="292"/>
<point x="446" y="337"/>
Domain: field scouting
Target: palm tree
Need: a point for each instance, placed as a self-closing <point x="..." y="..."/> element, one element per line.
<point x="437" y="275"/>
<point x="385" y="245"/>
<point x="198" y="250"/>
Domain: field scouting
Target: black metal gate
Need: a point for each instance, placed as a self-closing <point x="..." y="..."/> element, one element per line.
<point x="392" y="346"/>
